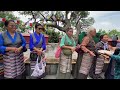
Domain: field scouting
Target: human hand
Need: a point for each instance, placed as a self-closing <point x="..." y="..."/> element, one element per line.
<point x="18" y="50"/>
<point x="92" y="54"/>
<point x="39" y="52"/>
<point x="78" y="46"/>
<point x="13" y="49"/>
<point x="72" y="49"/>
<point x="105" y="56"/>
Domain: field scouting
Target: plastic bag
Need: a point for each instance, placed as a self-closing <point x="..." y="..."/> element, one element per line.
<point x="58" y="51"/>
<point x="39" y="68"/>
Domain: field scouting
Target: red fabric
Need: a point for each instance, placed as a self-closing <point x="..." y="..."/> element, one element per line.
<point x="3" y="19"/>
<point x="58" y="51"/>
<point x="31" y="24"/>
<point x="18" y="22"/>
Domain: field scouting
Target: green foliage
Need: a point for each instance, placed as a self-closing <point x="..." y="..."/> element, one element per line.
<point x="102" y="31"/>
<point x="110" y="32"/>
<point x="7" y="15"/>
<point x="83" y="34"/>
<point x="114" y="32"/>
<point x="53" y="36"/>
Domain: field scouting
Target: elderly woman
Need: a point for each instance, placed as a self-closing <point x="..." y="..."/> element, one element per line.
<point x="98" y="64"/>
<point x="11" y="46"/>
<point x="67" y="45"/>
<point x="37" y="45"/>
<point x="88" y="52"/>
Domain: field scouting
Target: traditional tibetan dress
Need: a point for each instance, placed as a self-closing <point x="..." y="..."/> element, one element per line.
<point x="65" y="63"/>
<point x="14" y="66"/>
<point x="39" y="42"/>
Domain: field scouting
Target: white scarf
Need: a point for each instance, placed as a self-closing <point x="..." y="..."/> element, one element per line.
<point x="105" y="45"/>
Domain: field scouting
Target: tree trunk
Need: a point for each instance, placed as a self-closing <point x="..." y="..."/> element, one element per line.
<point x="67" y="24"/>
<point x="78" y="27"/>
<point x="34" y="23"/>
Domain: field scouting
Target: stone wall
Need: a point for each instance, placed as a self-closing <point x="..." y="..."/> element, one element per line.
<point x="51" y="49"/>
<point x="52" y="62"/>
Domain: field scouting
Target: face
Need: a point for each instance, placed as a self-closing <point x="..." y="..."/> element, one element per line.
<point x="70" y="32"/>
<point x="39" y="29"/>
<point x="11" y="26"/>
<point x="93" y="33"/>
<point x="105" y="38"/>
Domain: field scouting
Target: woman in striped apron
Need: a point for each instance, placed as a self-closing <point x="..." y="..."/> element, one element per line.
<point x="67" y="45"/>
<point x="11" y="46"/>
<point x="88" y="48"/>
<point x="98" y="64"/>
<point x="37" y="46"/>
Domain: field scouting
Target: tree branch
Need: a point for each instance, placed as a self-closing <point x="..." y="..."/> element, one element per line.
<point x="51" y="19"/>
<point x="66" y="14"/>
<point x="33" y="15"/>
<point x="56" y="26"/>
<point x="42" y="15"/>
<point x="27" y="21"/>
<point x="78" y="21"/>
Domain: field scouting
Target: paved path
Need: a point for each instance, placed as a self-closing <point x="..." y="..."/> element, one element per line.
<point x="54" y="76"/>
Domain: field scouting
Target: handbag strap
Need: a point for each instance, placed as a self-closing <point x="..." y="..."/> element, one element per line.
<point x="38" y="59"/>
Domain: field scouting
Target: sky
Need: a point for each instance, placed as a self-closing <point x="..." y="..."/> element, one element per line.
<point x="106" y="20"/>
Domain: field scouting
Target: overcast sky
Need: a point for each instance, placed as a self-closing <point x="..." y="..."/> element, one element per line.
<point x="106" y="20"/>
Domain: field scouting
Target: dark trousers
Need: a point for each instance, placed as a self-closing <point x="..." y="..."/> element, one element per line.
<point x="92" y="69"/>
<point x="82" y="76"/>
<point x="2" y="76"/>
<point x="108" y="74"/>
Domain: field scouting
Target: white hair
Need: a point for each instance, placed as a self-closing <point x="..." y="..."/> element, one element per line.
<point x="89" y="29"/>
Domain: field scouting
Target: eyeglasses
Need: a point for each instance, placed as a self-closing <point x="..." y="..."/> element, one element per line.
<point x="41" y="28"/>
<point x="13" y="26"/>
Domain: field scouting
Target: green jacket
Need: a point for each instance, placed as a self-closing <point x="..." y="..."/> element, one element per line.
<point x="117" y="65"/>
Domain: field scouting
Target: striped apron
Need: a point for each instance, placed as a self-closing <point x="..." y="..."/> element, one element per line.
<point x="99" y="64"/>
<point x="1" y="65"/>
<point x="33" y="62"/>
<point x="100" y="59"/>
<point x="13" y="64"/>
<point x="87" y="59"/>
<point x="86" y="63"/>
<point x="65" y="63"/>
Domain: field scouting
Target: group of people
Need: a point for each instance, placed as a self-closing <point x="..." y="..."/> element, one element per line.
<point x="12" y="46"/>
<point x="89" y="62"/>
